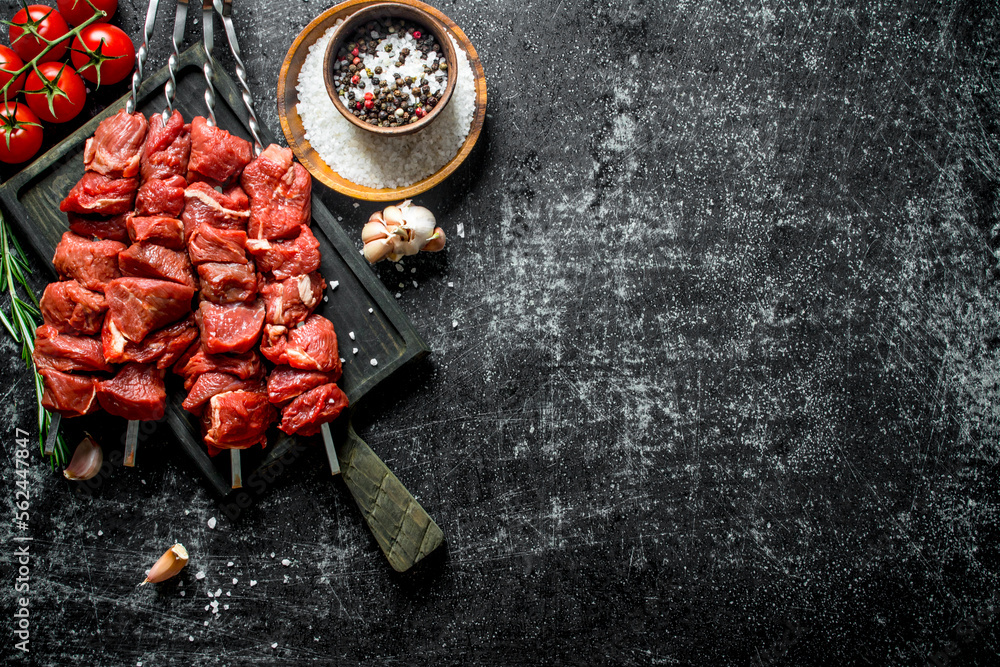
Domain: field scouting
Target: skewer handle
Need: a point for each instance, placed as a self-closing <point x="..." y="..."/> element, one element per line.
<point x="207" y="18"/>
<point x="131" y="439"/>
<point x="225" y="10"/>
<point x="331" y="449"/>
<point x="237" y="469"/>
<point x="140" y="56"/>
<point x="170" y="88"/>
<point x="55" y="421"/>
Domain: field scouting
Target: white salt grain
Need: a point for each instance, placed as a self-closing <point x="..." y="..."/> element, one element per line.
<point x="100" y="532"/>
<point x="218" y="592"/>
<point x="399" y="267"/>
<point x="413" y="270"/>
<point x="211" y="522"/>
<point x="354" y="350"/>
<point x="374" y="362"/>
<point x="461" y="230"/>
<point x="253" y="582"/>
<point x="229" y="564"/>
<point x="370" y="310"/>
<point x="351" y="334"/>
<point x="414" y="283"/>
<point x="454" y="324"/>
<point x="190" y="638"/>
<point x="286" y="562"/>
<point x="183" y="593"/>
<point x="451" y="284"/>
<point x="200" y="575"/>
<point x="274" y="645"/>
<point x="375" y="161"/>
<point x="235" y="581"/>
<point x="336" y="283"/>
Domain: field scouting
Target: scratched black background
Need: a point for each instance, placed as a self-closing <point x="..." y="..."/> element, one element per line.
<point x="722" y="390"/>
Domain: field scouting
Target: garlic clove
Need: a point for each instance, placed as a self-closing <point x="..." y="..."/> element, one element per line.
<point x="170" y="563"/>
<point x="376" y="217"/>
<point x="86" y="462"/>
<point x="393" y="215"/>
<point x="436" y="241"/>
<point x="373" y="230"/>
<point x="375" y="251"/>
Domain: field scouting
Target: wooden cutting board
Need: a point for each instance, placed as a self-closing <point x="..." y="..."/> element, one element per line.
<point x="359" y="304"/>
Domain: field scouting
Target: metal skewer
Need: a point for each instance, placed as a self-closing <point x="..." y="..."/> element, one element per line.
<point x="225" y="10"/>
<point x="207" y="19"/>
<point x="170" y="89"/>
<point x="140" y="56"/>
<point x="132" y="433"/>
<point x="55" y="421"/>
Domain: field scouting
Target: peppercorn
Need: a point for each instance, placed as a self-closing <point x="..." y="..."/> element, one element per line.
<point x="388" y="48"/>
<point x="378" y="70"/>
<point x="443" y="67"/>
<point x="361" y="84"/>
<point x="352" y="69"/>
<point x="405" y="52"/>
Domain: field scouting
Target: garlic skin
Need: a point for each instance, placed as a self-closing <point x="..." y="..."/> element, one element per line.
<point x="400" y="230"/>
<point x="86" y="462"/>
<point x="170" y="563"/>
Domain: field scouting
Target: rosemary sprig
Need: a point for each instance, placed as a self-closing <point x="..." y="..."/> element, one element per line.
<point x="21" y="322"/>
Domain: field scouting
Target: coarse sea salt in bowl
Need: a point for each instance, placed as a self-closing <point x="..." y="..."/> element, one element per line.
<point x="390" y="69"/>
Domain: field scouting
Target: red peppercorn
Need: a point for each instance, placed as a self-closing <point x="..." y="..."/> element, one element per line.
<point x="358" y="105"/>
<point x="417" y="34"/>
<point x="355" y="78"/>
<point x="369" y="96"/>
<point x="419" y="112"/>
<point x="369" y="103"/>
<point x="355" y="51"/>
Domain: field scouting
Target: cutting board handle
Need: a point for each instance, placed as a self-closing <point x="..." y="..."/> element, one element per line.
<point x="402" y="528"/>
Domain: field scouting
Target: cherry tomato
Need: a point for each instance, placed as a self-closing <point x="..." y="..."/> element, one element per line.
<point x="77" y="11"/>
<point x="38" y="20"/>
<point x="10" y="63"/>
<point x="20" y="133"/>
<point x="58" y="95"/>
<point x="103" y="54"/>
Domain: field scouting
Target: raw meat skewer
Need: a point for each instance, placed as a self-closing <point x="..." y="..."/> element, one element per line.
<point x="225" y="9"/>
<point x="170" y="88"/>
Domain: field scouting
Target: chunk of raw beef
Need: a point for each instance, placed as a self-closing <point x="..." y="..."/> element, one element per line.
<point x="137" y="392"/>
<point x="280" y="192"/>
<point x="139" y="306"/>
<point x="227" y="283"/>
<point x="209" y="244"/>
<point x="66" y="353"/>
<point x="93" y="263"/>
<point x="196" y="361"/>
<point x="291" y="301"/>
<point x="310" y="346"/>
<point x="307" y="413"/>
<point x="162" y="347"/>
<point x="167" y="149"/>
<point x="116" y="147"/>
<point x="72" y="309"/>
<point x="69" y="395"/>
<point x="229" y="209"/>
<point x="286" y="258"/>
<point x="211" y="384"/>
<point x="164" y="231"/>
<point x="161" y="196"/>
<point x="148" y="260"/>
<point x="230" y="328"/>
<point x="237" y="420"/>
<point x="110" y="228"/>
<point x="97" y="194"/>
<point x="285" y="383"/>
<point x="215" y="153"/>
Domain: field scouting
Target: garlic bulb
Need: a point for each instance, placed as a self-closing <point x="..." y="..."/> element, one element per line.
<point x="86" y="462"/>
<point x="400" y="230"/>
<point x="170" y="563"/>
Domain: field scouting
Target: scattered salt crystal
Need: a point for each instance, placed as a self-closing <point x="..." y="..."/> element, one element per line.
<point x="229" y="594"/>
<point x="413" y="270"/>
<point x="451" y="284"/>
<point x="225" y="606"/>
<point x="342" y="360"/>
<point x="414" y="283"/>
<point x="374" y="362"/>
<point x="354" y="350"/>
<point x="229" y="564"/>
<point x="218" y="592"/>
<point x="356" y="204"/>
<point x="461" y="230"/>
<point x="211" y="522"/>
<point x="211" y="594"/>
<point x="402" y="285"/>
<point x="336" y="283"/>
<point x="215" y="610"/>
<point x="399" y="267"/>
<point x="190" y="638"/>
<point x="253" y="582"/>
<point x="214" y="604"/>
<point x="206" y="623"/>
<point x="286" y="562"/>
<point x="200" y="575"/>
<point x="350" y="334"/>
<point x="272" y="554"/>
<point x="275" y="644"/>
<point x="326" y="299"/>
<point x="370" y="310"/>
<point x="454" y="324"/>
<point x="100" y="532"/>
<point x="398" y="294"/>
<point x="183" y="593"/>
<point x="235" y="581"/>
<point x="207" y="607"/>
<point x="186" y="512"/>
<point x="286" y="579"/>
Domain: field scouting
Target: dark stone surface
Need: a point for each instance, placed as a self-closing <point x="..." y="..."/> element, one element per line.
<point x="722" y="390"/>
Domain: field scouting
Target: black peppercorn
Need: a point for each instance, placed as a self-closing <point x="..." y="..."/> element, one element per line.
<point x="378" y="70"/>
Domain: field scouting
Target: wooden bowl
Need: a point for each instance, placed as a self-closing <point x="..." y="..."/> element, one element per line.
<point x="291" y="122"/>
<point x="381" y="11"/>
